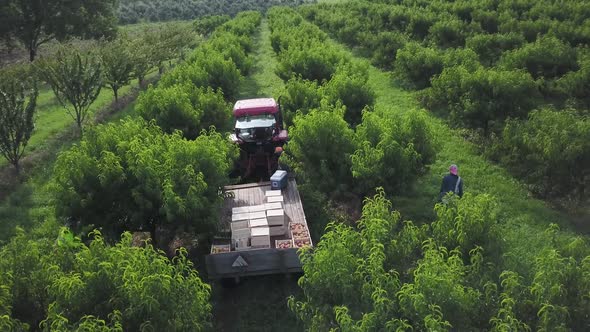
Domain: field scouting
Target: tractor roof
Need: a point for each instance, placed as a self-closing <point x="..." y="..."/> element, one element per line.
<point x="255" y="107"/>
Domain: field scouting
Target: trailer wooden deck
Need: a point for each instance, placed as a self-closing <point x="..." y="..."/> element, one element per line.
<point x="256" y="261"/>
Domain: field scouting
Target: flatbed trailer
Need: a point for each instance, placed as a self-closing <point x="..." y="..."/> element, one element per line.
<point x="253" y="262"/>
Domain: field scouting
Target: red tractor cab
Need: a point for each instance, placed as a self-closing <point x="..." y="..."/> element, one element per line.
<point x="259" y="131"/>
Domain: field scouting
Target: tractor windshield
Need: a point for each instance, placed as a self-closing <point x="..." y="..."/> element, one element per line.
<point x="255" y="121"/>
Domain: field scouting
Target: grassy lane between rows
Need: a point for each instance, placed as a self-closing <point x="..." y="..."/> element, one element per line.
<point x="257" y="303"/>
<point x="525" y="219"/>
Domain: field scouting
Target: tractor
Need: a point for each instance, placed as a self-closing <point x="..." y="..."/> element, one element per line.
<point x="260" y="134"/>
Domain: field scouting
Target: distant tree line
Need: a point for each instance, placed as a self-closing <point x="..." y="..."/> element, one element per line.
<point x="133" y="11"/>
<point x="35" y="22"/>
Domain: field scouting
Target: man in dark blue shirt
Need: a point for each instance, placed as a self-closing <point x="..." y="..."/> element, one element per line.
<point x="451" y="183"/>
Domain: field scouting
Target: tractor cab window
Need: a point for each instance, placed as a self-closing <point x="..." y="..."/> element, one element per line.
<point x="255" y="121"/>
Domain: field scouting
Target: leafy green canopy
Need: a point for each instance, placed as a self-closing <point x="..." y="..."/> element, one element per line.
<point x="392" y="151"/>
<point x="322" y="143"/>
<point x="485" y="98"/>
<point x="18" y="99"/>
<point x="185" y="108"/>
<point x="389" y="274"/>
<point x="61" y="284"/>
<point x="551" y="151"/>
<point x="76" y="79"/>
<point x="36" y="22"/>
<point x="129" y="175"/>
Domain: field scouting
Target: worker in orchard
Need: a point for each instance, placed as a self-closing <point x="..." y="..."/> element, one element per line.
<point x="452" y="182"/>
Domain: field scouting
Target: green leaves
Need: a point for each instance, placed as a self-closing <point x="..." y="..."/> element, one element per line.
<point x="322" y="143"/>
<point x="393" y="151"/>
<point x="130" y="175"/>
<point x="18" y="100"/>
<point x="76" y="79"/>
<point x="549" y="151"/>
<point x="117" y="64"/>
<point x="102" y="288"/>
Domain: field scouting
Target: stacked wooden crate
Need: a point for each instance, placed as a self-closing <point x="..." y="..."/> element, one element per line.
<point x="275" y="214"/>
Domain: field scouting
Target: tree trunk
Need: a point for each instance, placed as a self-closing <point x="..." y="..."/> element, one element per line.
<point x="79" y="122"/>
<point x="32" y="53"/>
<point x="116" y="93"/>
<point x="16" y="167"/>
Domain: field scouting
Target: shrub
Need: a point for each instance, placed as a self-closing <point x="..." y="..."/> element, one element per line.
<point x="447" y="33"/>
<point x="484" y="98"/>
<point x="185" y="108"/>
<point x="490" y="47"/>
<point x="415" y="65"/>
<point x="420" y="23"/>
<point x="384" y="46"/>
<point x="550" y="151"/>
<point x="59" y="283"/>
<point x="207" y="24"/>
<point x="130" y="176"/>
<point x="322" y="143"/>
<point x="210" y="70"/>
<point x="299" y="96"/>
<point x="576" y="84"/>
<point x="315" y="62"/>
<point x="349" y="88"/>
<point x="392" y="151"/>
<point x="547" y="57"/>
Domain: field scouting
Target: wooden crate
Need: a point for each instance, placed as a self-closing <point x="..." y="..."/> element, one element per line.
<point x="239" y="225"/>
<point x="257" y="215"/>
<point x="240" y="210"/>
<point x="220" y="248"/>
<point x="257" y="208"/>
<point x="273" y="193"/>
<point x="283" y="244"/>
<point x="277" y="230"/>
<point x="260" y="237"/>
<point x="273" y="206"/>
<point x="300" y="243"/>
<point x="275" y="199"/>
<point x="299" y="231"/>
<point x="276" y="217"/>
<point x="262" y="222"/>
<point x="240" y="217"/>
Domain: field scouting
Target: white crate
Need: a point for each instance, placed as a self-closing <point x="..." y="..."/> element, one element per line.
<point x="262" y="222"/>
<point x="273" y="206"/>
<point x="257" y="208"/>
<point x="240" y="210"/>
<point x="241" y="239"/>
<point x="240" y="216"/>
<point x="260" y="237"/>
<point x="239" y="225"/>
<point x="274" y="199"/>
<point x="242" y="244"/>
<point x="276" y="217"/>
<point x="273" y="193"/>
<point x="256" y="215"/>
<point x="277" y="230"/>
<point x="240" y="233"/>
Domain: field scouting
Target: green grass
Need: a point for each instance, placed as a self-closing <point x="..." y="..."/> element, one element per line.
<point x="262" y="81"/>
